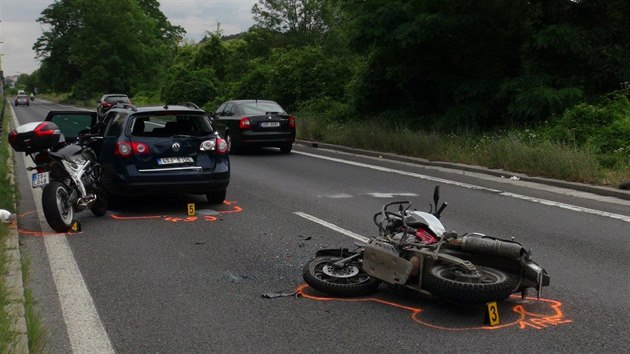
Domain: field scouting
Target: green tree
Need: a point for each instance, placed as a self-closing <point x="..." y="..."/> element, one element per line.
<point x="302" y="21"/>
<point x="99" y="46"/>
<point x="486" y="63"/>
<point x="185" y="85"/>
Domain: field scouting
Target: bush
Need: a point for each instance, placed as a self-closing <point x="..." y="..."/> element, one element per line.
<point x="325" y="108"/>
<point x="605" y="126"/>
<point x="184" y="85"/>
<point x="146" y="98"/>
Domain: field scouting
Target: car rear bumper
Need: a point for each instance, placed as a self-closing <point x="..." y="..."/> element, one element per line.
<point x="249" y="138"/>
<point x="193" y="182"/>
<point x="190" y="187"/>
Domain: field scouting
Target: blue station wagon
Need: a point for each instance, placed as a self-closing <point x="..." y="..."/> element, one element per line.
<point x="170" y="149"/>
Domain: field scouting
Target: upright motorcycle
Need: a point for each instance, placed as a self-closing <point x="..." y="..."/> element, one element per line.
<point x="69" y="173"/>
<point x="414" y="250"/>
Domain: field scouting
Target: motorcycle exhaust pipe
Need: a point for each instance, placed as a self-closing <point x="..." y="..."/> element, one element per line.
<point x="492" y="247"/>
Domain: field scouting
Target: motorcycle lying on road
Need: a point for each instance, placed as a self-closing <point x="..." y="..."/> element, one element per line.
<point x="69" y="173"/>
<point x="414" y="250"/>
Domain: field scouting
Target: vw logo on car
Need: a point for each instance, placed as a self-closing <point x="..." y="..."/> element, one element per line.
<point x="176" y="147"/>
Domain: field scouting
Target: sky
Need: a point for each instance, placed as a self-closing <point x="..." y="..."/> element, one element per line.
<point x="19" y="29"/>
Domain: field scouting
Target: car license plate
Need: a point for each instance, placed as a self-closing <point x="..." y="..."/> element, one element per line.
<point x="270" y="124"/>
<point x="40" y="180"/>
<point x="174" y="160"/>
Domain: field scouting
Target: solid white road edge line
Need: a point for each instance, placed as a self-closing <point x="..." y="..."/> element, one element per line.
<point x="85" y="329"/>
<point x="332" y="226"/>
<point x="471" y="186"/>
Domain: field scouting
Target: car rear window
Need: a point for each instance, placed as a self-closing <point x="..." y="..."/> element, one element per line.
<point x="261" y="108"/>
<point x="166" y="125"/>
<point x="116" y="99"/>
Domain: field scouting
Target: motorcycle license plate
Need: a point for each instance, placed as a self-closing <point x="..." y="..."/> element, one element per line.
<point x="40" y="180"/>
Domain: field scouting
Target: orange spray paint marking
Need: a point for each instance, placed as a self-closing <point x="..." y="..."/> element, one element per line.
<point x="540" y="321"/>
<point x="42" y="234"/>
<point x="526" y="319"/>
<point x="176" y="219"/>
<point x="173" y="219"/>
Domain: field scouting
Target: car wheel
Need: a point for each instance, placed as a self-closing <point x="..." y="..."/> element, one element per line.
<point x="231" y="147"/>
<point x="216" y="197"/>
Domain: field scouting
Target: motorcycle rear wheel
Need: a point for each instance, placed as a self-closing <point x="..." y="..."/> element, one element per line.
<point x="349" y="280"/>
<point x="58" y="210"/>
<point x="448" y="282"/>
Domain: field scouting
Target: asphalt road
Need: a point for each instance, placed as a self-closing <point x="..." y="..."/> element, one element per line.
<point x="156" y="282"/>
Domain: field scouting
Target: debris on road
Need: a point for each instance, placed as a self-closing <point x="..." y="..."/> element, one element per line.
<point x="279" y="294"/>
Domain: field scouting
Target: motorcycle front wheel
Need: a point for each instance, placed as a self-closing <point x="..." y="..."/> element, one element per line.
<point x="58" y="210"/>
<point x="349" y="280"/>
<point x="451" y="283"/>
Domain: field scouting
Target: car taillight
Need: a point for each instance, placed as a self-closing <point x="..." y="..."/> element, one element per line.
<point x="140" y="148"/>
<point x="43" y="129"/>
<point x="291" y="122"/>
<point x="107" y="105"/>
<point x="123" y="148"/>
<point x="221" y="146"/>
<point x="126" y="149"/>
<point x="244" y="123"/>
<point x="217" y="145"/>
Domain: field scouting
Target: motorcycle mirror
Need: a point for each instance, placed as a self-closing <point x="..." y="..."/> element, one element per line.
<point x="436" y="196"/>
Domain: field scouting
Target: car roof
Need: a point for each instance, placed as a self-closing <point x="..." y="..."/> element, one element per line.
<point x="107" y="95"/>
<point x="170" y="108"/>
<point x="252" y="101"/>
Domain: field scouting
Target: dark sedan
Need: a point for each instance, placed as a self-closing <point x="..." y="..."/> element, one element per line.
<point x="110" y="100"/>
<point x="170" y="149"/>
<point x="255" y="123"/>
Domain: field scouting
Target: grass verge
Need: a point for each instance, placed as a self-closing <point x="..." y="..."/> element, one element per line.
<point x="8" y="338"/>
<point x="8" y="196"/>
<point x="37" y="334"/>
<point x="516" y="151"/>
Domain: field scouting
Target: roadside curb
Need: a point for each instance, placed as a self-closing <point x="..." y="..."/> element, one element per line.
<point x="13" y="276"/>
<point x="583" y="187"/>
